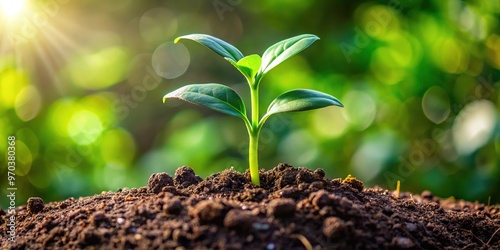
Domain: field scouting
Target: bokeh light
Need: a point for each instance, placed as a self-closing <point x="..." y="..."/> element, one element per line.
<point x="436" y="104"/>
<point x="474" y="126"/>
<point x="28" y="103"/>
<point x="24" y="159"/>
<point x="158" y="24"/>
<point x="360" y="109"/>
<point x="329" y="123"/>
<point x="84" y="127"/>
<point x="170" y="60"/>
<point x="300" y="148"/>
<point x="99" y="69"/>
<point x="118" y="147"/>
<point x="373" y="153"/>
<point x="12" y="81"/>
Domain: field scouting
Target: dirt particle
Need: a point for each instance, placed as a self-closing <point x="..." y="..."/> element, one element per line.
<point x="412" y="227"/>
<point x="185" y="177"/>
<point x="353" y="182"/>
<point x="120" y="220"/>
<point x="282" y="167"/>
<point x="281" y="208"/>
<point x="208" y="211"/>
<point x="249" y="238"/>
<point x="387" y="210"/>
<point x="402" y="242"/>
<point x="289" y="192"/>
<point x="305" y="176"/>
<point x="270" y="246"/>
<point x="173" y="206"/>
<point x="288" y="177"/>
<point x="238" y="219"/>
<point x="157" y="181"/>
<point x="320" y="199"/>
<point x="35" y="205"/>
<point x="97" y="218"/>
<point x="320" y="172"/>
<point x="316" y="185"/>
<point x="260" y="226"/>
<point x="345" y="204"/>
<point x="334" y="227"/>
<point x="427" y="195"/>
<point x="88" y="237"/>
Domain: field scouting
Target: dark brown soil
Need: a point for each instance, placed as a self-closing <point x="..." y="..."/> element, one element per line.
<point x="295" y="208"/>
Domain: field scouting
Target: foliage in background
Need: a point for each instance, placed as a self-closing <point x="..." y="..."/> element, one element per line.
<point x="419" y="80"/>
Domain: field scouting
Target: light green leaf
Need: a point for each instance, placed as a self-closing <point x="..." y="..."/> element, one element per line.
<point x="211" y="95"/>
<point x="301" y="100"/>
<point x="219" y="46"/>
<point x="285" y="49"/>
<point x="248" y="65"/>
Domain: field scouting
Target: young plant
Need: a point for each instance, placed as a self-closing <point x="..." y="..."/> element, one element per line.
<point x="253" y="68"/>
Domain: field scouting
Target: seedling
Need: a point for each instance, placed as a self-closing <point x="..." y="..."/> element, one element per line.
<point x="253" y="67"/>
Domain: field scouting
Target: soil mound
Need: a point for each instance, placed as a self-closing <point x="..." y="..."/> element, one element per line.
<point x="294" y="208"/>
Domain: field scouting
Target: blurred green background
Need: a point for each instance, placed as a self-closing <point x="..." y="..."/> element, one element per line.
<point x="81" y="87"/>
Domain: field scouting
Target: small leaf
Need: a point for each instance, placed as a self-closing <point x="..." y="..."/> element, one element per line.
<point x="301" y="100"/>
<point x="211" y="95"/>
<point x="219" y="46"/>
<point x="285" y="49"/>
<point x="248" y="65"/>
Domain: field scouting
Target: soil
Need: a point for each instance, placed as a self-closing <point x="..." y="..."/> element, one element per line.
<point x="294" y="208"/>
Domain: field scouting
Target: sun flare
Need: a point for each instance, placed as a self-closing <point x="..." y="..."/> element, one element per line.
<point x="10" y="9"/>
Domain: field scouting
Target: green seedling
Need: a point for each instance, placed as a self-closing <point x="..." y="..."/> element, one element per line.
<point x="253" y="67"/>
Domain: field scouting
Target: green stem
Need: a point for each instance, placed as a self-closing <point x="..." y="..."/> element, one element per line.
<point x="253" y="133"/>
<point x="253" y="160"/>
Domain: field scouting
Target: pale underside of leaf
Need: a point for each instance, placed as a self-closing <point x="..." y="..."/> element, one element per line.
<point x="285" y="49"/>
<point x="211" y="95"/>
<point x="301" y="100"/>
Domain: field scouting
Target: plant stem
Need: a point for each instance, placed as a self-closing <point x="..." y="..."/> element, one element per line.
<point x="253" y="160"/>
<point x="253" y="133"/>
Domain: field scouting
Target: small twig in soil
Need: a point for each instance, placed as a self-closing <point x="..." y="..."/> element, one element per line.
<point x="493" y="235"/>
<point x="304" y="241"/>
<point x="411" y="198"/>
<point x="473" y="235"/>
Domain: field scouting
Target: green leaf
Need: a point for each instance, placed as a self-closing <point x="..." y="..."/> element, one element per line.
<point x="301" y="100"/>
<point x="285" y="49"/>
<point x="219" y="46"/>
<point x="211" y="95"/>
<point x="248" y="65"/>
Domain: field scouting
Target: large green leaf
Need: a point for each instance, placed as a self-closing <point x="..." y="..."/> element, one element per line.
<point x="211" y="95"/>
<point x="301" y="100"/>
<point x="285" y="49"/>
<point x="248" y="65"/>
<point x="219" y="46"/>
